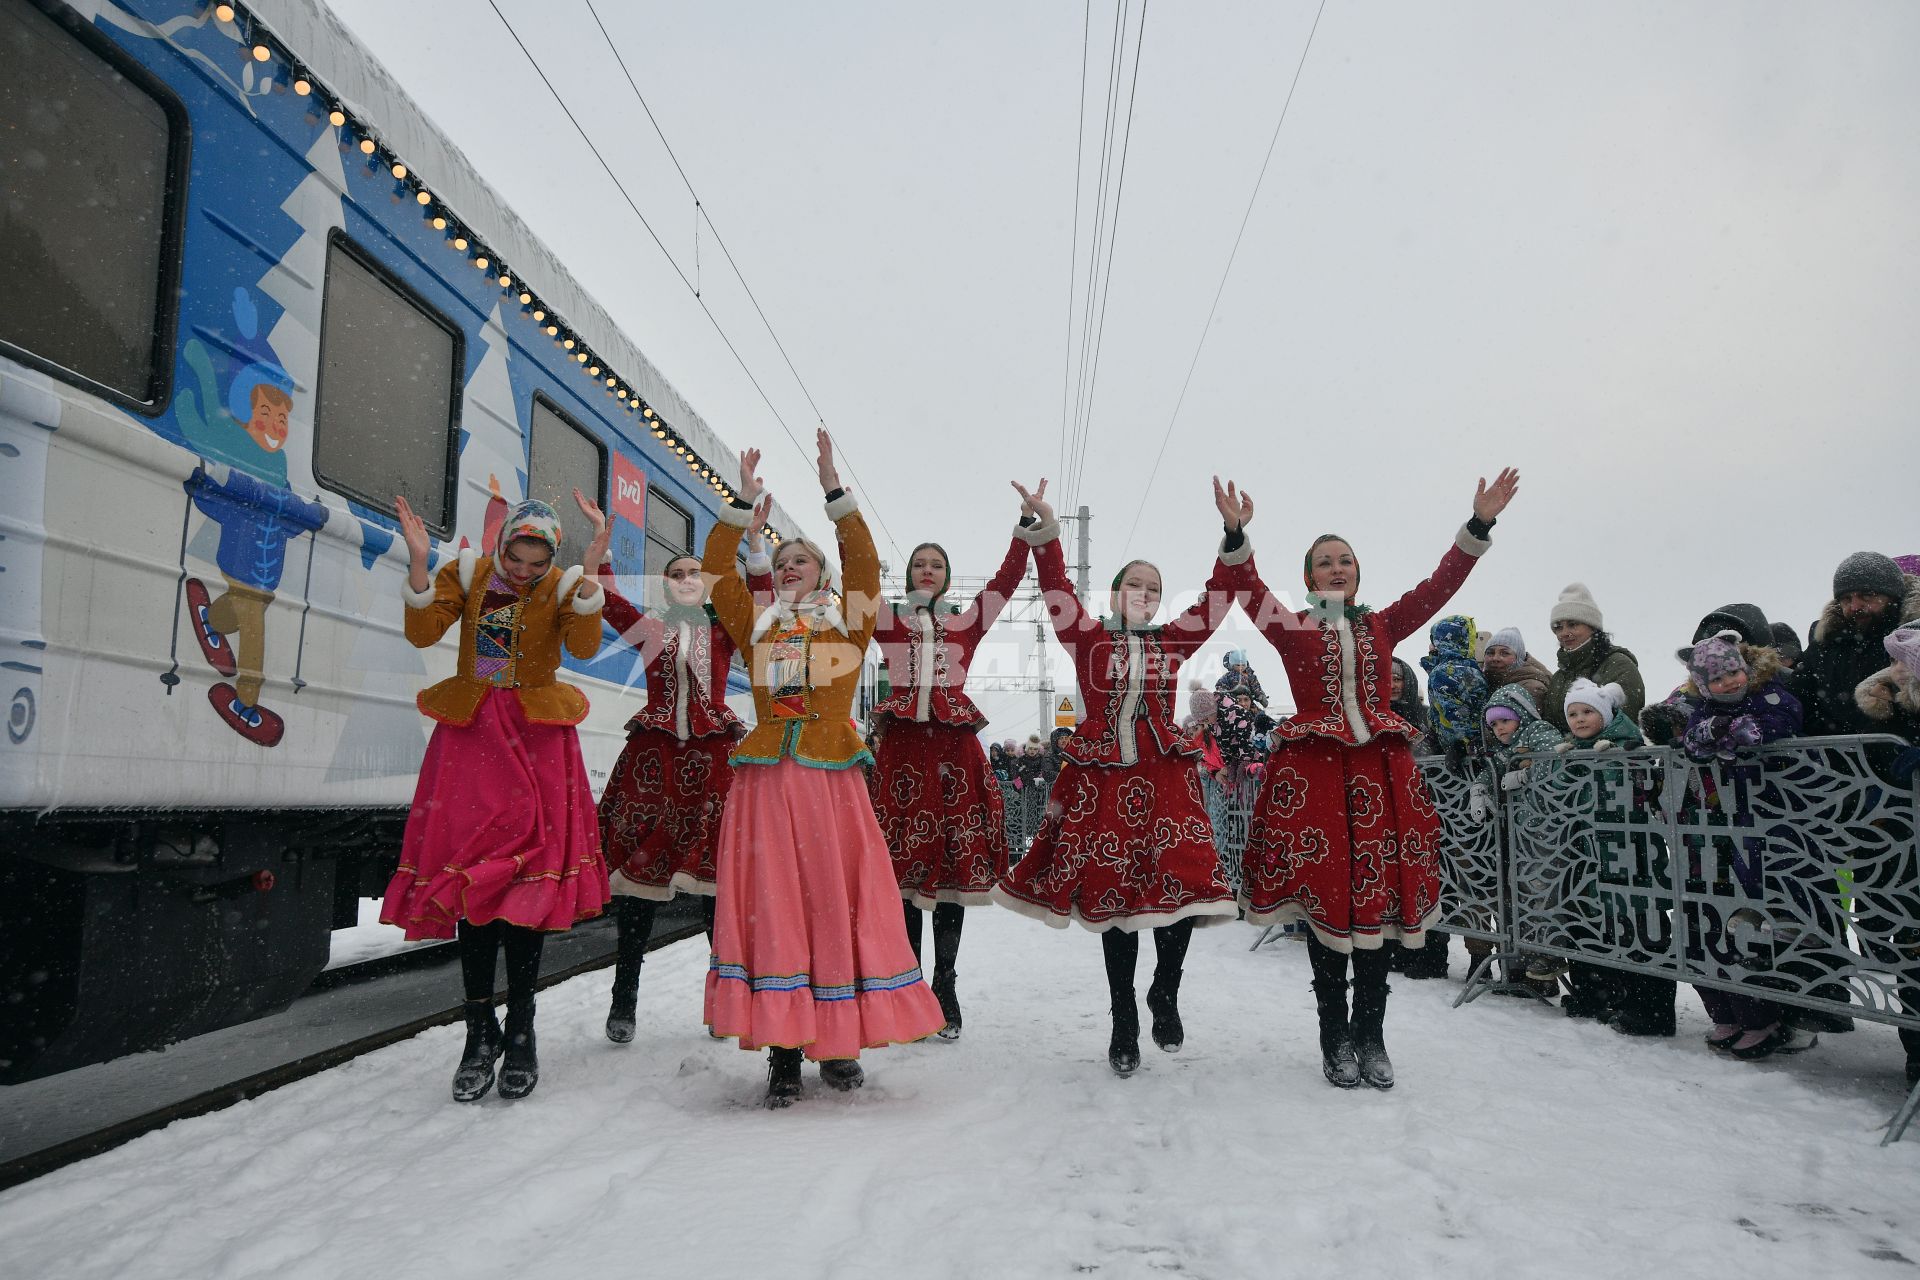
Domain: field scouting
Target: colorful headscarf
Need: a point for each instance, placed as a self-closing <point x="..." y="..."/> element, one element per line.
<point x="531" y="519"/>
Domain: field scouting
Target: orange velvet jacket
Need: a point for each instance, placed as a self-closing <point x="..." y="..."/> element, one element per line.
<point x="824" y="737"/>
<point x="550" y="614"/>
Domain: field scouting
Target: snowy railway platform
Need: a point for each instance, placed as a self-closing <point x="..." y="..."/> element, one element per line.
<point x="1518" y="1142"/>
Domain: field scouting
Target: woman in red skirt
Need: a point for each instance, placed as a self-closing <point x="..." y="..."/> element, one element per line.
<point x="1125" y="844"/>
<point x="501" y="844"/>
<point x="934" y="793"/>
<point x="1344" y="834"/>
<point x="660" y="812"/>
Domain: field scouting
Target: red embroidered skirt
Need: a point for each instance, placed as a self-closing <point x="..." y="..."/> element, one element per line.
<point x="660" y="813"/>
<point x="1347" y="839"/>
<point x="501" y="828"/>
<point x="940" y="810"/>
<point x="1122" y="848"/>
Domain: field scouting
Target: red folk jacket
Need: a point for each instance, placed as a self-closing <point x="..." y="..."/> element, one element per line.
<point x="1129" y="675"/>
<point x="687" y="654"/>
<point x="928" y="653"/>
<point x="1341" y="670"/>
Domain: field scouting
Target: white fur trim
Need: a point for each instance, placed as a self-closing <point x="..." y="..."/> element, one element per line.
<point x="1039" y="535"/>
<point x="1468" y="543"/>
<point x="416" y="599"/>
<point x="738" y="517"/>
<point x="771" y="614"/>
<point x="1240" y="554"/>
<point x="1390" y="931"/>
<point x="760" y="562"/>
<point x="843" y="506"/>
<point x="1349" y="682"/>
<point x="469" y="556"/>
<point x="1201" y="913"/>
<point x="569" y="580"/>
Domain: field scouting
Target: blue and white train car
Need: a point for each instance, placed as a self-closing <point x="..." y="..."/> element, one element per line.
<point x="248" y="294"/>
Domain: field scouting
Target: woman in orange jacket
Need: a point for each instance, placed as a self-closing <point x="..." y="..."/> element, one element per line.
<point x="810" y="952"/>
<point x="502" y="845"/>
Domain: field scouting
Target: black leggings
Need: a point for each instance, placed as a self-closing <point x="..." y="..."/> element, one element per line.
<point x="633" y="923"/>
<point x="948" y="918"/>
<point x="1330" y="966"/>
<point x="1122" y="949"/>
<point x="480" y="946"/>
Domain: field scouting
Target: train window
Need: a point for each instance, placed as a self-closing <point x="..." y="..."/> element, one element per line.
<point x="564" y="457"/>
<point x="92" y="175"/>
<point x="669" y="532"/>
<point x="389" y="391"/>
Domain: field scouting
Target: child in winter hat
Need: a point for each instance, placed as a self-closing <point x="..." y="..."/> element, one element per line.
<point x="1594" y="718"/>
<point x="1732" y="712"/>
<point x="1456" y="687"/>
<point x="1896" y="689"/>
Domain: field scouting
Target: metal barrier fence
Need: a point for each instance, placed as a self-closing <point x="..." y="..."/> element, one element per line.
<point x="1791" y="874"/>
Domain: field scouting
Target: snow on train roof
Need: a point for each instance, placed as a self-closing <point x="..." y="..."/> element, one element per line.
<point x="367" y="90"/>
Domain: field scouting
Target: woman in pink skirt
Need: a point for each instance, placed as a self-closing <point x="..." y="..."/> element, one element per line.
<point x="1125" y="844"/>
<point x="1344" y="834"/>
<point x="501" y="844"/>
<point x="935" y="795"/>
<point x="810" y="955"/>
<point x="660" y="811"/>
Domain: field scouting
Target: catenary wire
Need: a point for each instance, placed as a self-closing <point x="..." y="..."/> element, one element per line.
<point x="1207" y="328"/>
<point x="691" y="287"/>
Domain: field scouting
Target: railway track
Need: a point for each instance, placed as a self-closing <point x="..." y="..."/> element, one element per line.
<point x="596" y="952"/>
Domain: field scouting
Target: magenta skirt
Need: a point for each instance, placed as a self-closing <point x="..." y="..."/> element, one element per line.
<point x="502" y="828"/>
<point x="810" y="948"/>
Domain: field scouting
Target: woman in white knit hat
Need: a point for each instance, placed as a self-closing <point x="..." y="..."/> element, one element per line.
<point x="1588" y="652"/>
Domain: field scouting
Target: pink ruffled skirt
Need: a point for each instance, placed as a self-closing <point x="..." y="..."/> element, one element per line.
<point x="502" y="828"/>
<point x="810" y="949"/>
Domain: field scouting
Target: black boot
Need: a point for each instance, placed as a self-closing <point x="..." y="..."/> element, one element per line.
<point x="1123" y="1051"/>
<point x="1163" y="1002"/>
<point x="1429" y="961"/>
<point x="1910" y="1041"/>
<point x="474" y="1079"/>
<point x="1369" y="1019"/>
<point x="783" y="1077"/>
<point x="621" y="1016"/>
<point x="520" y="1070"/>
<point x="1337" y="1059"/>
<point x="1163" y="996"/>
<point x="949" y="1003"/>
<point x="843" y="1074"/>
<point x="633" y="919"/>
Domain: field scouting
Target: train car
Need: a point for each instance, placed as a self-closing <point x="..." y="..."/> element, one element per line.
<point x="248" y="294"/>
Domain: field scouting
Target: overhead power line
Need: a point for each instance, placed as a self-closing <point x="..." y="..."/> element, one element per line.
<point x="692" y="287"/>
<point x="1106" y="282"/>
<point x="1207" y="328"/>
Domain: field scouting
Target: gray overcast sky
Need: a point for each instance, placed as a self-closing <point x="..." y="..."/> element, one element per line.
<point x="1660" y="256"/>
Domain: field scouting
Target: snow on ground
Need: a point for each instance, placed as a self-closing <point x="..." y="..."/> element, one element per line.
<point x="1517" y="1144"/>
<point x="369" y="939"/>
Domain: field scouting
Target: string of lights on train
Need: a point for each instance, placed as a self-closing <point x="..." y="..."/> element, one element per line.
<point x="261" y="46"/>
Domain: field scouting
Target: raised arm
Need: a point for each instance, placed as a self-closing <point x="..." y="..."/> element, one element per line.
<point x="987" y="607"/>
<point x="628" y="622"/>
<point x="1417" y="607"/>
<point x="1195" y="625"/>
<point x="432" y="606"/>
<point x="1070" y="620"/>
